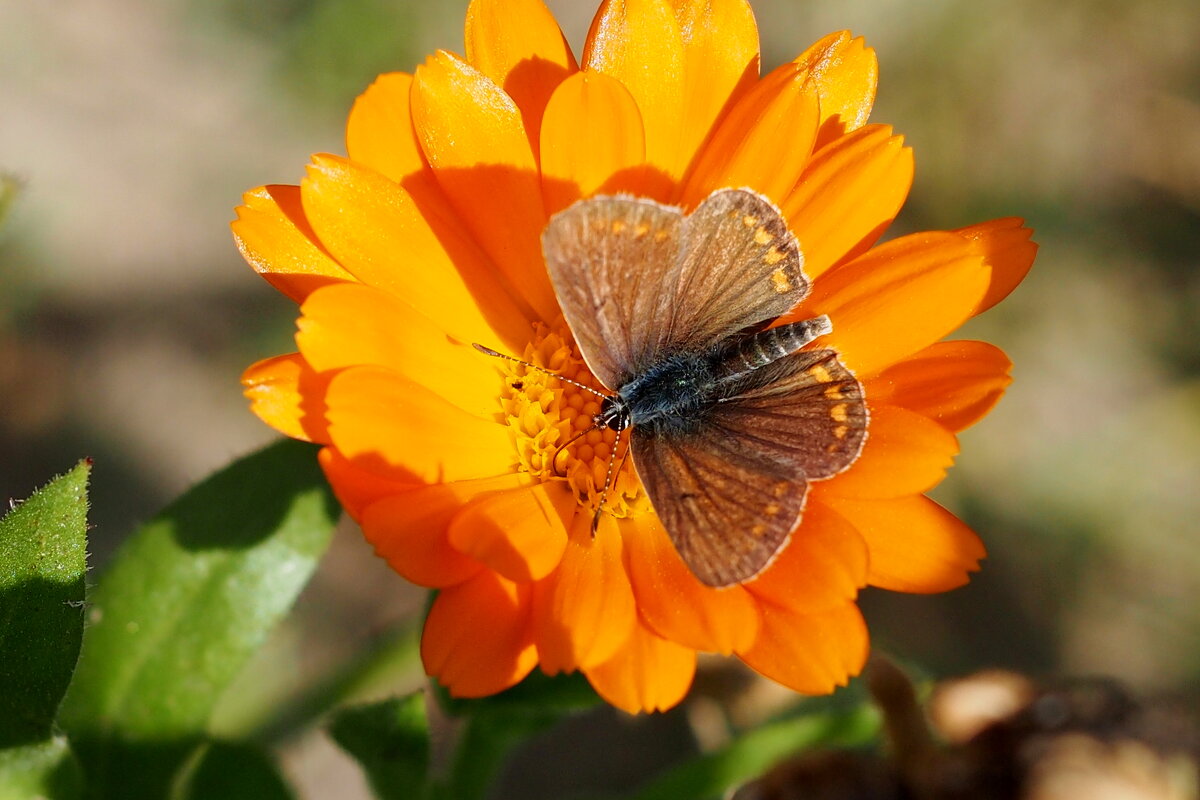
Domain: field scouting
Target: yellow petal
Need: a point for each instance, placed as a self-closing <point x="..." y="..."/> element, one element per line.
<point x="846" y="73"/>
<point x="477" y="640"/>
<point x="809" y="653"/>
<point x="287" y="394"/>
<point x="519" y="533"/>
<point x="720" y="50"/>
<point x="592" y="141"/>
<point x="897" y="299"/>
<point x="648" y="673"/>
<point x="822" y="567"/>
<point x="379" y="132"/>
<point x="400" y="430"/>
<point x="411" y="244"/>
<point x="764" y="142"/>
<point x="352" y="324"/>
<point x="905" y="453"/>
<point x="473" y="137"/>
<point x="848" y="195"/>
<point x="915" y="544"/>
<point x="954" y="383"/>
<point x="639" y="43"/>
<point x="584" y="611"/>
<point x="520" y="47"/>
<point x="276" y="239"/>
<point x="674" y="603"/>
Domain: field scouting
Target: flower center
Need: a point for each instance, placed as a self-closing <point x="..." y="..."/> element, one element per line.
<point x="545" y="412"/>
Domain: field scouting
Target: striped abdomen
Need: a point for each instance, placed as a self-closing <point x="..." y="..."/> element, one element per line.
<point x="764" y="347"/>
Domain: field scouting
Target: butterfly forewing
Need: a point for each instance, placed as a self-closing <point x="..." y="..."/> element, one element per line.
<point x="739" y="266"/>
<point x="727" y="509"/>
<point x="609" y="259"/>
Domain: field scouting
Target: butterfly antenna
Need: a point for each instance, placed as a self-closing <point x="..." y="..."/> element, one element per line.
<point x="487" y="351"/>
<point x="608" y="479"/>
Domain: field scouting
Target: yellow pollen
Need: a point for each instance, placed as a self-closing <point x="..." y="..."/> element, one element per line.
<point x="773" y="256"/>
<point x="780" y="282"/>
<point x="543" y="412"/>
<point x="820" y="374"/>
<point x="838" y="412"/>
<point x="763" y="236"/>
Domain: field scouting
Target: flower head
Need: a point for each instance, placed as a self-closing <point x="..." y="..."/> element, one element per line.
<point x="425" y="239"/>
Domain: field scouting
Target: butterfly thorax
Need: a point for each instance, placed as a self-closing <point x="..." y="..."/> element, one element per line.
<point x="672" y="393"/>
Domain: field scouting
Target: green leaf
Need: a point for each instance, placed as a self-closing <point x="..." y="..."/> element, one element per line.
<point x="10" y="187"/>
<point x="43" y="558"/>
<point x="390" y="740"/>
<point x="497" y="724"/>
<point x="186" y="602"/>
<point x="44" y="771"/>
<point x="231" y="771"/>
<point x="750" y="755"/>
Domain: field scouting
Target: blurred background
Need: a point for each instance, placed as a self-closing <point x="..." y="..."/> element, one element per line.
<point x="126" y="314"/>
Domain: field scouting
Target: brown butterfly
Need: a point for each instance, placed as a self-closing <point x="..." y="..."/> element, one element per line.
<point x="730" y="420"/>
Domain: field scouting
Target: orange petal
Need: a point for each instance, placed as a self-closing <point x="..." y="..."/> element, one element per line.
<point x="821" y="568"/>
<point x="897" y="299"/>
<point x="410" y="529"/>
<point x="592" y="141"/>
<point x="584" y="611"/>
<point x="849" y="193"/>
<point x="955" y="383"/>
<point x="846" y="73"/>
<point x="720" y="50"/>
<point x="520" y="533"/>
<point x="379" y="132"/>
<point x="649" y="673"/>
<point x="1006" y="248"/>
<point x="477" y="639"/>
<point x="473" y="136"/>
<point x="410" y="245"/>
<point x="400" y="430"/>
<point x="351" y="324"/>
<point x="915" y="544"/>
<point x="764" y="141"/>
<point x="287" y="394"/>
<point x="639" y="43"/>
<point x="357" y="488"/>
<point x="276" y="240"/>
<point x="676" y="605"/>
<point x="905" y="453"/>
<point x="809" y="653"/>
<point x="520" y="47"/>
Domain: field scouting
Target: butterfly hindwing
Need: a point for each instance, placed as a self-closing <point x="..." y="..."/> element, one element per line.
<point x="727" y="509"/>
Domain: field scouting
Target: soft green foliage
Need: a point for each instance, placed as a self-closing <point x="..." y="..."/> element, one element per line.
<point x="229" y="771"/>
<point x="43" y="544"/>
<point x="43" y="771"/>
<point x="714" y="774"/>
<point x="186" y="602"/>
<point x="390" y="740"/>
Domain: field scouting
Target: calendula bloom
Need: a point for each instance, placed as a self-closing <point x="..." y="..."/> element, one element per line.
<point x="425" y="239"/>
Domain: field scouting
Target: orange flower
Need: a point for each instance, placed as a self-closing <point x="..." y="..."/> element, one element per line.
<point x="426" y="239"/>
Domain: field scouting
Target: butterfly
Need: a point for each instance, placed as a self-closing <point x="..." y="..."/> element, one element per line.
<point x="729" y="420"/>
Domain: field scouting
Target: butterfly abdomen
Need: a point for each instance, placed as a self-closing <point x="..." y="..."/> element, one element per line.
<point x="760" y="349"/>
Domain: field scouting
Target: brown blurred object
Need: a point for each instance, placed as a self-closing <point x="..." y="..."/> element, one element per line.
<point x="1005" y="738"/>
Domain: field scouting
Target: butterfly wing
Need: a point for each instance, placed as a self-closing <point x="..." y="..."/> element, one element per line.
<point x="607" y="257"/>
<point x="731" y="488"/>
<point x="638" y="281"/>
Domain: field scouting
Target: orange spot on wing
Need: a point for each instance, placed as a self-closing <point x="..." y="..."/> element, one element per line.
<point x="763" y="236"/>
<point x="773" y="256"/>
<point x="820" y="374"/>
<point x="780" y="282"/>
<point x="838" y="412"/>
